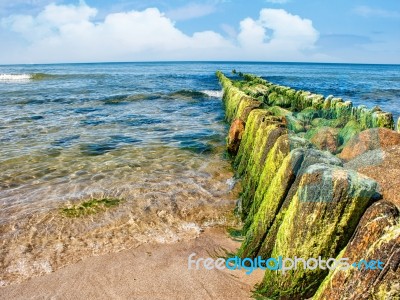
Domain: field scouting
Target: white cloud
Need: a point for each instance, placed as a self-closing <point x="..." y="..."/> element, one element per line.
<point x="277" y="35"/>
<point x="367" y="11"/>
<point x="191" y="11"/>
<point x="62" y="33"/>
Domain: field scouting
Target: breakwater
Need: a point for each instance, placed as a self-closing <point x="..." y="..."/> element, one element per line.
<point x="300" y="198"/>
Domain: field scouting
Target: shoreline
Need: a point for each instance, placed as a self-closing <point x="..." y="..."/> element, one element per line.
<point x="131" y="274"/>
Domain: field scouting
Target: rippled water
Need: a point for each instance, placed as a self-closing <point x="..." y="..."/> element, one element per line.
<point x="150" y="134"/>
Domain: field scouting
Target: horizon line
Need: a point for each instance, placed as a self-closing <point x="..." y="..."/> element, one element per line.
<point x="199" y="61"/>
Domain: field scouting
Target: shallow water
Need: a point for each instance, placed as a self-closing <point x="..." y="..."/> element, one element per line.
<point x="150" y="134"/>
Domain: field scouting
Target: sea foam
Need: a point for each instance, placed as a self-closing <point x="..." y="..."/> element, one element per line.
<point x="15" y="77"/>
<point x="213" y="93"/>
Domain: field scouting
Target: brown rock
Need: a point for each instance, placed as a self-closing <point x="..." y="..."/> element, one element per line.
<point x="387" y="174"/>
<point x="370" y="139"/>
<point x="377" y="237"/>
<point x="235" y="136"/>
<point x="326" y="138"/>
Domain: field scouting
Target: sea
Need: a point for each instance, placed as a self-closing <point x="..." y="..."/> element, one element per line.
<point x="151" y="135"/>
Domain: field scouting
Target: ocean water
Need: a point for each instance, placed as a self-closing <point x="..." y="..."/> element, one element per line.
<point x="149" y="134"/>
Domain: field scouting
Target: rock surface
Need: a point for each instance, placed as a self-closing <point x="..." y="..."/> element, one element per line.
<point x="299" y="201"/>
<point x="326" y="138"/>
<point x="235" y="136"/>
<point x="319" y="221"/>
<point x="384" y="167"/>
<point x="377" y="237"/>
<point x="370" y="139"/>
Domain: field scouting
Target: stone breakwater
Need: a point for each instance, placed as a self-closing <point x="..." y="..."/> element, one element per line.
<point x="298" y="156"/>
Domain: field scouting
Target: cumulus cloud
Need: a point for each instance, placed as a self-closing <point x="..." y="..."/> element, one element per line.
<point x="68" y="33"/>
<point x="277" y="34"/>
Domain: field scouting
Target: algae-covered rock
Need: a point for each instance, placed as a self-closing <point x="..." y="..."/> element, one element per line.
<point x="235" y="136"/>
<point x="255" y="119"/>
<point x="382" y="119"/>
<point x="343" y="109"/>
<point x="319" y="122"/>
<point x="246" y="105"/>
<point x="271" y="198"/>
<point x="275" y="99"/>
<point x="293" y="123"/>
<point x="398" y="125"/>
<point x="266" y="135"/>
<point x="237" y="103"/>
<point x="319" y="221"/>
<point x="307" y="115"/>
<point x="325" y="138"/>
<point x="377" y="237"/>
<point x="274" y="159"/>
<point x="370" y="139"/>
<point x="351" y="129"/>
<point x="311" y="157"/>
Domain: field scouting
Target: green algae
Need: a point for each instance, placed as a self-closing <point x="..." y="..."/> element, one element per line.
<point x="265" y="139"/>
<point x="351" y="129"/>
<point x="262" y="216"/>
<point x="319" y="221"/>
<point x="256" y="117"/>
<point x="89" y="207"/>
<point x="284" y="211"/>
<point x="272" y="164"/>
<point x="245" y="106"/>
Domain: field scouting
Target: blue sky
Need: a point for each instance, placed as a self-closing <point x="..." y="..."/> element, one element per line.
<point x="42" y="31"/>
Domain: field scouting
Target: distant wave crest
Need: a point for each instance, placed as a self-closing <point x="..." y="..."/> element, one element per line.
<point x="24" y="77"/>
<point x="15" y="77"/>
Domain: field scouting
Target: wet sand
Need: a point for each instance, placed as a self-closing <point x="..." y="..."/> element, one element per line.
<point x="150" y="271"/>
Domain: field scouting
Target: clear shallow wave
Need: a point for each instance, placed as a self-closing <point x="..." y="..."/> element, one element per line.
<point x="151" y="134"/>
<point x="151" y="138"/>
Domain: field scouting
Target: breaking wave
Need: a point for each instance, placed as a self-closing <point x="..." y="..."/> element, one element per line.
<point x="24" y="77"/>
<point x="213" y="94"/>
<point x="15" y="77"/>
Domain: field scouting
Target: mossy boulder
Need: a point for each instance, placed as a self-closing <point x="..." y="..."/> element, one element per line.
<point x="271" y="197"/>
<point x="281" y="148"/>
<point x="254" y="121"/>
<point x="275" y="99"/>
<point x="311" y="157"/>
<point x="266" y="136"/>
<point x="382" y="119"/>
<point x="307" y="115"/>
<point x="293" y="123"/>
<point x="377" y="237"/>
<point x="246" y="105"/>
<point x="324" y="138"/>
<point x="351" y="129"/>
<point x="319" y="221"/>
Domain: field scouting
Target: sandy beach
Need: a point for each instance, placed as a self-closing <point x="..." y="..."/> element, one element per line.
<point x="150" y="271"/>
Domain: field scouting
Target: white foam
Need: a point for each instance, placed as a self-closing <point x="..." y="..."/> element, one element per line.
<point x="214" y="94"/>
<point x="231" y="183"/>
<point x="15" y="77"/>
